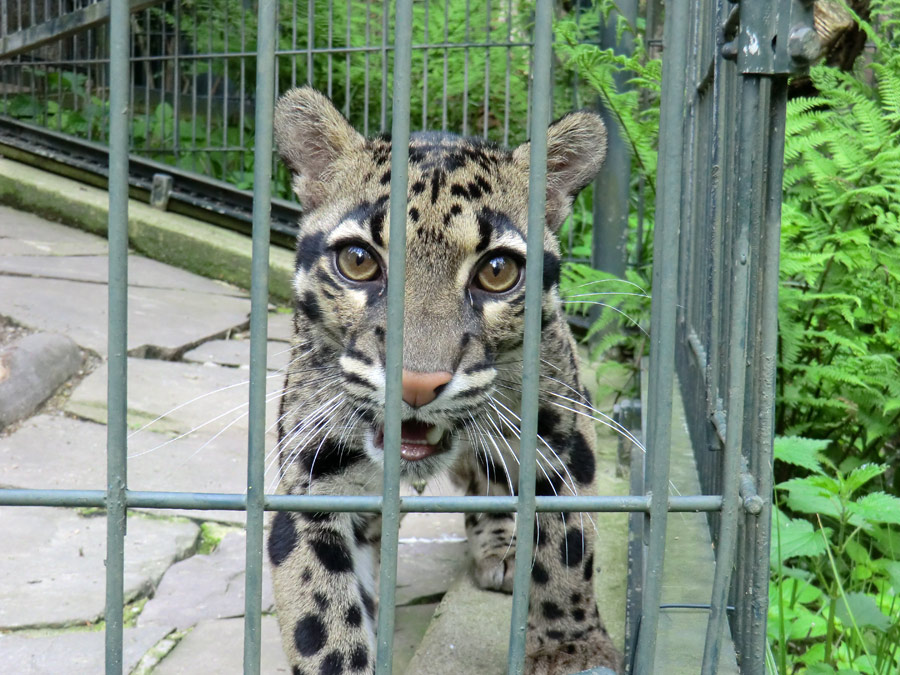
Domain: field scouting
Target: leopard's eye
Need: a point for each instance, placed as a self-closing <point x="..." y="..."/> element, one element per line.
<point x="498" y="274"/>
<point x="357" y="263"/>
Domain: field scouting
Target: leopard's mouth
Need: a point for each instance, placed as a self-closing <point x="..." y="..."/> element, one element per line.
<point x="418" y="440"/>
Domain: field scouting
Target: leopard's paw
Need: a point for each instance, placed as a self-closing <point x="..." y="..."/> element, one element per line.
<point x="495" y="573"/>
<point x="565" y="658"/>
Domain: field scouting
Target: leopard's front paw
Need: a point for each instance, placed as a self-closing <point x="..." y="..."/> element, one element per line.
<point x="565" y="658"/>
<point x="495" y="573"/>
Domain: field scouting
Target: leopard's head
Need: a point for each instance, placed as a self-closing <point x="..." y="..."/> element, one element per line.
<point x="466" y="224"/>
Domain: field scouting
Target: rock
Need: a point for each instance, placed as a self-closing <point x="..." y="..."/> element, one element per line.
<point x="183" y="395"/>
<point x="52" y="572"/>
<point x="26" y="234"/>
<point x="237" y="353"/>
<point x="74" y="652"/>
<point x="142" y="272"/>
<point x="218" y="647"/>
<point x="205" y="587"/>
<point x="56" y="452"/>
<point x="31" y="370"/>
<point x="281" y="326"/>
<point x="162" y="322"/>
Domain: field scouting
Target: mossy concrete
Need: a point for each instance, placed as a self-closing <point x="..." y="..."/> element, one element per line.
<point x="193" y="245"/>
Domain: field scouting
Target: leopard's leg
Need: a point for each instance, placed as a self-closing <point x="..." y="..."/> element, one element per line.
<point x="565" y="631"/>
<point x="323" y="571"/>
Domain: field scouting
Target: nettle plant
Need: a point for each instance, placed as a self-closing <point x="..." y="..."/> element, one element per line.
<point x="834" y="598"/>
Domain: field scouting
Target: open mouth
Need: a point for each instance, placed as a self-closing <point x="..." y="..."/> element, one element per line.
<point x="418" y="440"/>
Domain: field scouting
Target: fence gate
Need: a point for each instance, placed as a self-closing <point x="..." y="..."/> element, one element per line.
<point x="715" y="281"/>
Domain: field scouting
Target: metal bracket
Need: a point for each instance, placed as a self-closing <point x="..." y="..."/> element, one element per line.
<point x="160" y="190"/>
<point x="771" y="38"/>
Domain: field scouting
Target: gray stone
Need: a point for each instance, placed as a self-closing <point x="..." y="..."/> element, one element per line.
<point x="410" y="624"/>
<point x="57" y="452"/>
<point x="175" y="397"/>
<point x="26" y="234"/>
<point x="51" y="565"/>
<point x="74" y="652"/>
<point x="425" y="570"/>
<point x="237" y="353"/>
<point x="205" y="587"/>
<point x="281" y="326"/>
<point x="142" y="272"/>
<point x="218" y="647"/>
<point x="161" y="322"/>
<point x="469" y="633"/>
<point x="31" y="370"/>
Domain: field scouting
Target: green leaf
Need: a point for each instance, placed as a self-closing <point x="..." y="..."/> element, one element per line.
<point x="814" y="495"/>
<point x="864" y="611"/>
<point x="862" y="475"/>
<point x="877" y="507"/>
<point x="800" y="451"/>
<point x="792" y="537"/>
<point x="807" y="625"/>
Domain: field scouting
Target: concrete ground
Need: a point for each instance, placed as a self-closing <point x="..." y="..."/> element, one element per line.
<point x="188" y="348"/>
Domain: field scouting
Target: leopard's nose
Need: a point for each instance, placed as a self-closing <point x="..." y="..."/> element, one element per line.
<point x="422" y="388"/>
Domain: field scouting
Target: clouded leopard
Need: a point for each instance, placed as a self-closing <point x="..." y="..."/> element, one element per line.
<point x="464" y="308"/>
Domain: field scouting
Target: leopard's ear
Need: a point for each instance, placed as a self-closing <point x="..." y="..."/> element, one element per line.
<point x="576" y="148"/>
<point x="312" y="136"/>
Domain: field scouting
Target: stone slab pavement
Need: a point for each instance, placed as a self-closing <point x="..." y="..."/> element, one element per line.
<point x="187" y="390"/>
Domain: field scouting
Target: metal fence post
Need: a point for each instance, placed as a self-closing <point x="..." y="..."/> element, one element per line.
<point x="259" y="297"/>
<point x="117" y="388"/>
<point x="390" y="513"/>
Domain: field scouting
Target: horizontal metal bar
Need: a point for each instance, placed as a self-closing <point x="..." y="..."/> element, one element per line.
<point x="63" y="26"/>
<point x="364" y="504"/>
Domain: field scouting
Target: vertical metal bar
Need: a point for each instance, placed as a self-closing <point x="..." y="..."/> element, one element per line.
<point x="347" y="44"/>
<point x="612" y="185"/>
<point x="194" y="46"/>
<point x="390" y="512"/>
<point x="662" y="321"/>
<point x="310" y="39"/>
<point x="531" y="347"/>
<point x="259" y="299"/>
<point x="749" y="169"/>
<point x="117" y="383"/>
<point x="176" y="89"/>
<point x="385" y="16"/>
<point x="446" y="64"/>
<point x="366" y="69"/>
<point x="330" y="47"/>
<point x="425" y="71"/>
<point x="487" y="68"/>
<point x="506" y="90"/>
<point x="465" y="93"/>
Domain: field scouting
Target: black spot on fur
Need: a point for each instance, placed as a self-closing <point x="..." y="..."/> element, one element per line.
<point x="551" y="611"/>
<point x="309" y="249"/>
<point x="306" y="576"/>
<point x="575" y="599"/>
<point x="455" y="210"/>
<point x="555" y="634"/>
<point x="570" y="649"/>
<point x="414" y="214"/>
<point x="321" y="600"/>
<point x="578" y="615"/>
<point x="358" y="356"/>
<point x="547" y="421"/>
<point x="310" y="635"/>
<point x="437" y="182"/>
<point x="357" y="380"/>
<point x="483" y="185"/>
<point x="332" y="664"/>
<point x="359" y="657"/>
<point x="385" y="177"/>
<point x="328" y="459"/>
<point x="547" y="487"/>
<point x="484" y="232"/>
<point x="589" y="568"/>
<point x="474" y="190"/>
<point x="458" y="190"/>
<point x="539" y="574"/>
<point x="376" y="227"/>
<point x="296" y="670"/>
<point x="316" y="517"/>
<point x="282" y="538"/>
<point x="354" y="616"/>
<point x="471" y="520"/>
<point x="368" y="602"/>
<point x="581" y="460"/>
<point x="309" y="306"/>
<point x="551" y="270"/>
<point x="379" y="333"/>
<point x="418" y="187"/>
<point x="570" y="548"/>
<point x="332" y="552"/>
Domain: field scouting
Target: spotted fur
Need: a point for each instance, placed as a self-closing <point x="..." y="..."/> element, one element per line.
<point x="467" y="203"/>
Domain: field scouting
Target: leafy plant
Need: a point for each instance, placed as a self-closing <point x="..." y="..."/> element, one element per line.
<point x="835" y="591"/>
<point x="839" y="308"/>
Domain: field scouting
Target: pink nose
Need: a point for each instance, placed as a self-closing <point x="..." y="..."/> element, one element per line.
<point x="422" y="388"/>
